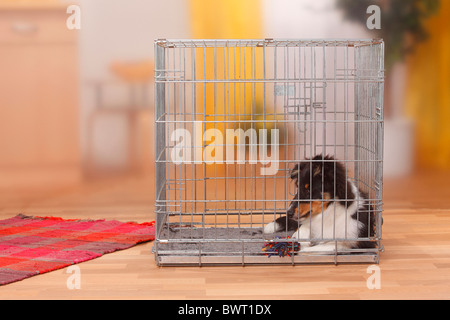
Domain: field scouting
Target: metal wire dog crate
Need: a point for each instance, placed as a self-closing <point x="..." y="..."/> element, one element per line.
<point x="232" y="119"/>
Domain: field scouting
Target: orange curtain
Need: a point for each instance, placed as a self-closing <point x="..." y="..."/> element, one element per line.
<point x="428" y="95"/>
<point x="230" y="19"/>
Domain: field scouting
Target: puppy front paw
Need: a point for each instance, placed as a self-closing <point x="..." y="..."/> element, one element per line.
<point x="271" y="227"/>
<point x="284" y="223"/>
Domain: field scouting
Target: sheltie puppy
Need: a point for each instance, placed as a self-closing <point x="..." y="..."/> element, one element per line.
<point x="328" y="212"/>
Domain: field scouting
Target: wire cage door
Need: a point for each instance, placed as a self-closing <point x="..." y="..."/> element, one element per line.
<point x="233" y="117"/>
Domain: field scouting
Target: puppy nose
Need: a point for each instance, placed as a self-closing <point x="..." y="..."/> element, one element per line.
<point x="291" y="210"/>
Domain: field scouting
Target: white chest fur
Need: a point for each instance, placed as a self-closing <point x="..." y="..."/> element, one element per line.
<point x="334" y="227"/>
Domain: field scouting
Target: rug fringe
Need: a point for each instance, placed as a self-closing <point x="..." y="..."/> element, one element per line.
<point x="23" y="216"/>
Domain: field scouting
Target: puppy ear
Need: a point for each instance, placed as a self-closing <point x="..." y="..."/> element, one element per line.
<point x="317" y="170"/>
<point x="326" y="195"/>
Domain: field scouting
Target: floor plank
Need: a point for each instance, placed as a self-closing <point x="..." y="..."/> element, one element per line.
<point x="415" y="264"/>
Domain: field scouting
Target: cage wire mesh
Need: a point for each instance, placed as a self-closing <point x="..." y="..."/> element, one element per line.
<point x="232" y="119"/>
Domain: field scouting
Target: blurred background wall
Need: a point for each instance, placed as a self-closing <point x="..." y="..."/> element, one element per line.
<point x="78" y="104"/>
<point x="116" y="72"/>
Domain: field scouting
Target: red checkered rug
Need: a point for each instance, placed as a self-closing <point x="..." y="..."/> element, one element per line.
<point x="35" y="245"/>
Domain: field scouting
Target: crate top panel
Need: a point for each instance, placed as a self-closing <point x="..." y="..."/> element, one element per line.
<point x="211" y="43"/>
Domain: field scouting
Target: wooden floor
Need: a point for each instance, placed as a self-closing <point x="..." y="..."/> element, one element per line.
<point x="415" y="264"/>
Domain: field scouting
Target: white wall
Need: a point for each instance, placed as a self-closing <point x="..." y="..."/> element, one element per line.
<point x="307" y="19"/>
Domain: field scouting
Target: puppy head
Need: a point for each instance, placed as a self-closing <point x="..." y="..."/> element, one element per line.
<point x="319" y="181"/>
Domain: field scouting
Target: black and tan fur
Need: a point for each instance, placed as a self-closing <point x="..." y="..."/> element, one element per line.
<point x="328" y="211"/>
